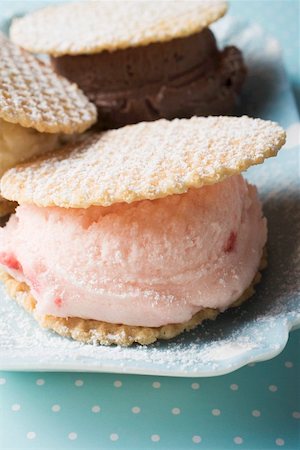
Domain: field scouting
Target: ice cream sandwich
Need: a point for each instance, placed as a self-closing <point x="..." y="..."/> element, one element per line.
<point x="139" y="60"/>
<point x="38" y="109"/>
<point x="139" y="233"/>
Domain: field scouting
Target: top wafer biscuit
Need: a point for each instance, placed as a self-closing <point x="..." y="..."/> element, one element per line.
<point x="94" y="26"/>
<point x="32" y="95"/>
<point x="149" y="160"/>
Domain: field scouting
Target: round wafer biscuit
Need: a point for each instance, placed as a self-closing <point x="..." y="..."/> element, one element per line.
<point x="33" y="96"/>
<point x="149" y="160"/>
<point x="90" y="27"/>
<point x="97" y="332"/>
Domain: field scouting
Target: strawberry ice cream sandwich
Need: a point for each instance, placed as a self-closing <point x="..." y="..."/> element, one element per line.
<point x="139" y="233"/>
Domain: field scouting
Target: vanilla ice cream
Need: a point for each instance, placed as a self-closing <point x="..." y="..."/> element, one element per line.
<point x="18" y="143"/>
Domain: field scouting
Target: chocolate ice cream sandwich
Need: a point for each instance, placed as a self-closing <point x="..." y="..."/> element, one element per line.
<point x="139" y="60"/>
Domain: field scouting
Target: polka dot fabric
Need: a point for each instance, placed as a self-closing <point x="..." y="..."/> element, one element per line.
<point x="253" y="408"/>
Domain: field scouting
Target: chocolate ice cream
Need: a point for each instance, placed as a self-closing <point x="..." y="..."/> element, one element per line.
<point x="178" y="78"/>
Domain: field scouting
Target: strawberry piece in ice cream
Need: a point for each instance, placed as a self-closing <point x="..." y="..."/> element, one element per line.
<point x="9" y="261"/>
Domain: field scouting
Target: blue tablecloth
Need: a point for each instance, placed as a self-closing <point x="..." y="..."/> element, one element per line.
<point x="256" y="407"/>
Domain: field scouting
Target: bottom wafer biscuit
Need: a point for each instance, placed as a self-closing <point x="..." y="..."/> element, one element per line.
<point x="97" y="332"/>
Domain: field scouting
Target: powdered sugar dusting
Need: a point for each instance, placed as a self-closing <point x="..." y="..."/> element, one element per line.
<point x="106" y="25"/>
<point x="145" y="161"/>
<point x="32" y="95"/>
<point x="206" y="349"/>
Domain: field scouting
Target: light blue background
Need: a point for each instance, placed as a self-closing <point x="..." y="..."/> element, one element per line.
<point x="253" y="408"/>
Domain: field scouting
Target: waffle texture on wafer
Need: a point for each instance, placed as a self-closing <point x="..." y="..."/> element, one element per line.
<point x="97" y="332"/>
<point x="33" y="96"/>
<point x="90" y="27"/>
<point x="144" y="161"/>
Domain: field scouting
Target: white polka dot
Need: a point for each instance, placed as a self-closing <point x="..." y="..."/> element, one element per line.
<point x="234" y="387"/>
<point x="31" y="435"/>
<point x="114" y="437"/>
<point x="96" y="409"/>
<point x="256" y="413"/>
<point x="16" y="407"/>
<point x="155" y="437"/>
<point x="279" y="442"/>
<point x="196" y="439"/>
<point x="117" y="383"/>
<point x="40" y="382"/>
<point x="176" y="411"/>
<point x="216" y="412"/>
<point x="156" y="384"/>
<point x="195" y="386"/>
<point x="136" y="410"/>
<point x="288" y="364"/>
<point x="296" y="414"/>
<point x="72" y="436"/>
<point x="251" y="364"/>
<point x="55" y="408"/>
<point x="79" y="383"/>
<point x="2" y="380"/>
<point x="273" y="388"/>
<point x="238" y="440"/>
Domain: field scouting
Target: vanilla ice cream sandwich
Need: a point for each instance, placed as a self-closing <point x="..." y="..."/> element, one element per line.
<point x="38" y="109"/>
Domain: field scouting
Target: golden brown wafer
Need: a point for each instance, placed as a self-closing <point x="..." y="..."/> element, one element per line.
<point x="90" y="27"/>
<point x="149" y="160"/>
<point x="33" y="96"/>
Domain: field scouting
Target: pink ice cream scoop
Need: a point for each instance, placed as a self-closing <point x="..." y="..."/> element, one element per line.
<point x="148" y="263"/>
